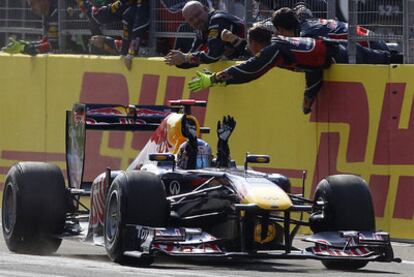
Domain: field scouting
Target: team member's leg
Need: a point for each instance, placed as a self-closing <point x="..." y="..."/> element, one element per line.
<point x="140" y="26"/>
<point x="127" y="27"/>
<point x="371" y="56"/>
<point x="314" y="80"/>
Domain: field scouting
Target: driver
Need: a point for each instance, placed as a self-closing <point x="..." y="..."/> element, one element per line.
<point x="195" y="153"/>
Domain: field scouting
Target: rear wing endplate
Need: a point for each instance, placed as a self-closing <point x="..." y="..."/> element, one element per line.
<point x="109" y="117"/>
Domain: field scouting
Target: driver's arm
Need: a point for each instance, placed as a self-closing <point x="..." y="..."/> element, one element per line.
<point x="224" y="130"/>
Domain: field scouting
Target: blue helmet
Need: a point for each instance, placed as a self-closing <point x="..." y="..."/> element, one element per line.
<point x="194" y="157"/>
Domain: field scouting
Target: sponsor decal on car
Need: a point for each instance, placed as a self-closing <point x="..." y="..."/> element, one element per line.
<point x="98" y="196"/>
<point x="323" y="250"/>
<point x="174" y="187"/>
<point x="271" y="233"/>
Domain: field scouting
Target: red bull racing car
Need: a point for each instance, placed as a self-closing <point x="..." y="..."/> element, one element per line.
<point x="157" y="208"/>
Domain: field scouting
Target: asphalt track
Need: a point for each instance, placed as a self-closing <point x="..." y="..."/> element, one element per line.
<point x="78" y="259"/>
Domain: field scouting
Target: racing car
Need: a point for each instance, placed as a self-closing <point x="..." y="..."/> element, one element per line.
<point x="155" y="208"/>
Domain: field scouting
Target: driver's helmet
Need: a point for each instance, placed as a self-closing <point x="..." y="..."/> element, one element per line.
<point x="194" y="157"/>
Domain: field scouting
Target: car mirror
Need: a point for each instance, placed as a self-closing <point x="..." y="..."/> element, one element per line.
<point x="162" y="157"/>
<point x="261" y="159"/>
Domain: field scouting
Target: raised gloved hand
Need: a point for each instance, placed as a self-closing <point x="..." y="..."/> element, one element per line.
<point x="225" y="128"/>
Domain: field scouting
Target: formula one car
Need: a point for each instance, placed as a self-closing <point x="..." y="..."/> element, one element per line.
<point x="157" y="208"/>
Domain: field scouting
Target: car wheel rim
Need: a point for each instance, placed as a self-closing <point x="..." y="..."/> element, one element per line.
<point x="9" y="209"/>
<point x="112" y="217"/>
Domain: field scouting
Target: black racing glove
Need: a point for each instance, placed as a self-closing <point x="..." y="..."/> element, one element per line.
<point x="224" y="130"/>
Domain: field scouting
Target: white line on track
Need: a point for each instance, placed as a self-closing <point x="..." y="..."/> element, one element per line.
<point x="402" y="244"/>
<point x="408" y="262"/>
<point x="14" y="273"/>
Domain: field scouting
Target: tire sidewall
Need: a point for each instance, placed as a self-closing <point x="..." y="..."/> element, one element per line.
<point x="9" y="233"/>
<point x="38" y="193"/>
<point x="114" y="244"/>
<point x="134" y="191"/>
<point x="348" y="207"/>
<point x="324" y="193"/>
<point x="333" y="191"/>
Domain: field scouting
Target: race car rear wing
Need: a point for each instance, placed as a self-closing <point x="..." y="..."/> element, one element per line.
<point x="109" y="117"/>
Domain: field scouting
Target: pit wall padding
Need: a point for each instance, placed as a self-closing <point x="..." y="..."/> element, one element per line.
<point x="362" y="123"/>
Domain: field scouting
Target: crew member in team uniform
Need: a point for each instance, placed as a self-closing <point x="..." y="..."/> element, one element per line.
<point x="307" y="55"/>
<point x="208" y="47"/>
<point x="19" y="46"/>
<point x="300" y="22"/>
<point x="135" y="16"/>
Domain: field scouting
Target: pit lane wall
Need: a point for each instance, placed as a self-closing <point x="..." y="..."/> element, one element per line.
<point x="363" y="122"/>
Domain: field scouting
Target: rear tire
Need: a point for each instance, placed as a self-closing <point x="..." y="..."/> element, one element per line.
<point x="33" y="208"/>
<point x="349" y="207"/>
<point x="137" y="198"/>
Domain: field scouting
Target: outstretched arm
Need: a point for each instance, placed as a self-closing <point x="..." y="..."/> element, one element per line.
<point x="183" y="60"/>
<point x="199" y="56"/>
<point x="253" y="68"/>
<point x="245" y="72"/>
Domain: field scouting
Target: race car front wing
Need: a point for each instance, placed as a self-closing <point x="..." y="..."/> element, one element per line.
<point x="194" y="242"/>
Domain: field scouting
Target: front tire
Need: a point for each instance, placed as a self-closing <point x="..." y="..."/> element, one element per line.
<point x="349" y="207"/>
<point x="33" y="208"/>
<point x="136" y="198"/>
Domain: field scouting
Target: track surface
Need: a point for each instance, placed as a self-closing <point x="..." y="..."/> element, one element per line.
<point x="77" y="259"/>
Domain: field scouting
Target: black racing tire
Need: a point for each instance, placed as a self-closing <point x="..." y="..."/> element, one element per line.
<point x="135" y="197"/>
<point x="33" y="208"/>
<point x="344" y="265"/>
<point x="349" y="207"/>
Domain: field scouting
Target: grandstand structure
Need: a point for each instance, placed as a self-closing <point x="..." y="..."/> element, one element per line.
<point x="390" y="20"/>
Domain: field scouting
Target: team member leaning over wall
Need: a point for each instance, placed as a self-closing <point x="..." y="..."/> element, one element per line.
<point x="307" y="55"/>
<point x="135" y="17"/>
<point x="208" y="47"/>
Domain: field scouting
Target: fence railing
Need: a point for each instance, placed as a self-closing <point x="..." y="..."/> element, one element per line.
<point x="389" y="20"/>
<point x="386" y="20"/>
<point x="17" y="18"/>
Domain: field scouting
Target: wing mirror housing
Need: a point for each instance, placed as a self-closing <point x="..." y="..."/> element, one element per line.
<point x="258" y="159"/>
<point x="163" y="157"/>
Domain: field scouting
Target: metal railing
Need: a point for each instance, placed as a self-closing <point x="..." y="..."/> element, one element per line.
<point x="390" y="20"/>
<point x="386" y="19"/>
<point x="17" y="18"/>
<point x="168" y="29"/>
<point x="73" y="26"/>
